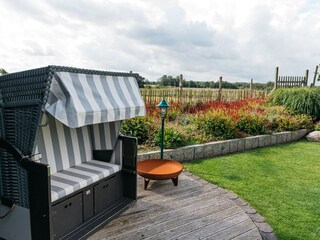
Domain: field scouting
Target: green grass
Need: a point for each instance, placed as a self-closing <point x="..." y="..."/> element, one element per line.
<point x="282" y="183"/>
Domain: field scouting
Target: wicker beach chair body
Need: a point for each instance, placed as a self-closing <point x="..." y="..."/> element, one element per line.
<point x="64" y="168"/>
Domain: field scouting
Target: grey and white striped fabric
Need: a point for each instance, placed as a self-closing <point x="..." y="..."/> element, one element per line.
<point x="72" y="179"/>
<point x="105" y="135"/>
<point x="62" y="147"/>
<point x="116" y="157"/>
<point x="68" y="152"/>
<point x="78" y="99"/>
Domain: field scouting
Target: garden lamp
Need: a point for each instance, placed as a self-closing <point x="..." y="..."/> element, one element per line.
<point x="163" y="106"/>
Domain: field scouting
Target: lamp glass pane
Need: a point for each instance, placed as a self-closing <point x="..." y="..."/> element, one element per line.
<point x="163" y="111"/>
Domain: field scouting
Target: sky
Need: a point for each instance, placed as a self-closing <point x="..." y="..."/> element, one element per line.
<point x="201" y="39"/>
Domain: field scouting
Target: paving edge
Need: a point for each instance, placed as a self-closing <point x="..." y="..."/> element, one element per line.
<point x="264" y="228"/>
<point x="218" y="148"/>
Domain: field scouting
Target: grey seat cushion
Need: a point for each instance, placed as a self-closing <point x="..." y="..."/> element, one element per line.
<point x="67" y="181"/>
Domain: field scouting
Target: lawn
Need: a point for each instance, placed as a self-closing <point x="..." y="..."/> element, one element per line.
<point x="282" y="183"/>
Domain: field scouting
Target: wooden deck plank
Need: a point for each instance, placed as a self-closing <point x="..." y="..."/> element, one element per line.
<point x="148" y="219"/>
<point x="191" y="229"/>
<point x="175" y="222"/>
<point x="233" y="231"/>
<point x="252" y="234"/>
<point x="145" y="210"/>
<point x="191" y="210"/>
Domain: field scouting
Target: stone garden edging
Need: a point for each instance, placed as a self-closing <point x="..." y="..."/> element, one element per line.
<point x="218" y="148"/>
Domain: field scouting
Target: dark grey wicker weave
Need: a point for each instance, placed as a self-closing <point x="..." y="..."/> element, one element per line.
<point x="21" y="101"/>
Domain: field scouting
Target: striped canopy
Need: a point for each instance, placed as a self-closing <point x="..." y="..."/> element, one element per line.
<point x="79" y="99"/>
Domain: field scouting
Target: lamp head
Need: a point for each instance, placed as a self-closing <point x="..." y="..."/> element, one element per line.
<point x="163" y="106"/>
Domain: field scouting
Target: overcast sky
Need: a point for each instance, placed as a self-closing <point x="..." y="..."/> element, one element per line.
<point x="202" y="39"/>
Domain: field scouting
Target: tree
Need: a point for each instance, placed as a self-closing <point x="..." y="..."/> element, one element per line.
<point x="168" y="81"/>
<point x="3" y="72"/>
<point x="141" y="82"/>
<point x="269" y="85"/>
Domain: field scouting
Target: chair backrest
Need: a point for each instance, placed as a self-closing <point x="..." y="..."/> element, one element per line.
<point x="105" y="135"/>
<point x="62" y="147"/>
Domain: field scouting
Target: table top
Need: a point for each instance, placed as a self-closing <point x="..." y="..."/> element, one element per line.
<point x="158" y="169"/>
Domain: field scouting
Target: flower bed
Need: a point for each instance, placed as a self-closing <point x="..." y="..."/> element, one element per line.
<point x="206" y="122"/>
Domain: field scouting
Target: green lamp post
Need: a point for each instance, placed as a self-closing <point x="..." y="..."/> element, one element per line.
<point x="163" y="106"/>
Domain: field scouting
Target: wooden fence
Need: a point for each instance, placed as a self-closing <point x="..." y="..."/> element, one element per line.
<point x="290" y="81"/>
<point x="151" y="95"/>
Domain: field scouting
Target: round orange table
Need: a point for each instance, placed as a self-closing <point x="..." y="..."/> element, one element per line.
<point x="159" y="169"/>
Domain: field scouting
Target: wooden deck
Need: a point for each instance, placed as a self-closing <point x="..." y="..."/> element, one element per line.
<point x="192" y="210"/>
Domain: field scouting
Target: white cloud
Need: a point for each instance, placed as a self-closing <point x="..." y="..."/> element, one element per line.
<point x="202" y="39"/>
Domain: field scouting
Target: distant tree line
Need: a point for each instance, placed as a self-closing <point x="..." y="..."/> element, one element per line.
<point x="169" y="81"/>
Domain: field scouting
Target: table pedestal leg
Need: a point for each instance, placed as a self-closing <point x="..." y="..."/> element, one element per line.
<point x="146" y="182"/>
<point x="175" y="181"/>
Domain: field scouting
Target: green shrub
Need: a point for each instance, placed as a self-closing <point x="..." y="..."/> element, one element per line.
<point x="173" y="114"/>
<point x="253" y="124"/>
<point x="292" y="122"/>
<point x="317" y="126"/>
<point x="216" y="126"/>
<point x="139" y="127"/>
<point x="184" y="120"/>
<point x="298" y="100"/>
<point x="172" y="138"/>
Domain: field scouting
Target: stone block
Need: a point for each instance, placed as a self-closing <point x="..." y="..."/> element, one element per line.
<point x="188" y="153"/>
<point x="154" y="155"/>
<point x="241" y="144"/>
<point x="249" y="210"/>
<point x="267" y="140"/>
<point x="167" y="154"/>
<point x="264" y="140"/>
<point x="217" y="148"/>
<point x="177" y="154"/>
<point x="288" y="136"/>
<point x="233" y="145"/>
<point x="255" y="141"/>
<point x="208" y="150"/>
<point x="225" y="147"/>
<point x="281" y="137"/>
<point x="143" y="156"/>
<point x="264" y="227"/>
<point x="251" y="142"/>
<point x="273" y="139"/>
<point x="198" y="151"/>
<point x="296" y="135"/>
<point x="247" y="143"/>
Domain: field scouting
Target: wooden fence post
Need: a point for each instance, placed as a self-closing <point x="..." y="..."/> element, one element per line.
<point x="306" y="78"/>
<point x="315" y="76"/>
<point x="276" y="79"/>
<point x="220" y="89"/>
<point x="251" y="87"/>
<point x="180" y="90"/>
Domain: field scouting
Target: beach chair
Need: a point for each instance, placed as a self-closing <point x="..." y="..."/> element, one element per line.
<point x="65" y="169"/>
